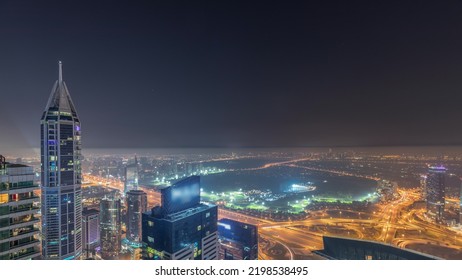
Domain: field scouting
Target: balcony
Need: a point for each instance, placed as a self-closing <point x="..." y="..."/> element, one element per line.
<point x="22" y="246"/>
<point x="29" y="255"/>
<point x="30" y="222"/>
<point x="16" y="190"/>
<point x="20" y="212"/>
<point x="21" y="235"/>
<point x="23" y="201"/>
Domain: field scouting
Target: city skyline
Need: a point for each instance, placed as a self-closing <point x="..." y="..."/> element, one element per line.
<point x="234" y="76"/>
<point x="238" y="74"/>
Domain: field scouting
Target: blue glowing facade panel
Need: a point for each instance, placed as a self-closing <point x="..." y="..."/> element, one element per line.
<point x="181" y="195"/>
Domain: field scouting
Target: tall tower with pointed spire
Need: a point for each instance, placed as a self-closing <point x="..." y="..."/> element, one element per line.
<point x="61" y="176"/>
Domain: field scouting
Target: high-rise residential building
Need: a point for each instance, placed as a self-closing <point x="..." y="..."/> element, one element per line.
<point x="137" y="204"/>
<point x="435" y="185"/>
<point x="90" y="232"/>
<point x="182" y="228"/>
<point x="423" y="187"/>
<point x="131" y="177"/>
<point x="238" y="241"/>
<point x="110" y="227"/>
<point x="18" y="222"/>
<point x="61" y="176"/>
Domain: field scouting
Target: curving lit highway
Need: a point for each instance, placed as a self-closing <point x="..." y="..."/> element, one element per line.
<point x="394" y="222"/>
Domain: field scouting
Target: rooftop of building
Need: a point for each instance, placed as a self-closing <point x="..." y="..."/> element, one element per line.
<point x="136" y="192"/>
<point x="234" y="222"/>
<point x="60" y="99"/>
<point x="360" y="243"/>
<point x="15" y="165"/>
<point x="89" y="211"/>
<point x="5" y="164"/>
<point x="437" y="168"/>
<point x="157" y="213"/>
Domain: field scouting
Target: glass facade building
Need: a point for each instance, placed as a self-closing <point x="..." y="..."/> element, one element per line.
<point x="435" y="194"/>
<point x="137" y="204"/>
<point x="110" y="227"/>
<point x="182" y="228"/>
<point x="18" y="212"/>
<point x="237" y="241"/>
<point x="61" y="176"/>
<point x="91" y="232"/>
<point x="131" y="177"/>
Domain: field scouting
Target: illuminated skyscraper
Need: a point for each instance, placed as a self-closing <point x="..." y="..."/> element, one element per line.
<point x="423" y="188"/>
<point x="131" y="177"/>
<point x="182" y="228"/>
<point x="435" y="185"/>
<point x="137" y="204"/>
<point x="18" y="222"/>
<point x="238" y="241"/>
<point x="91" y="232"/>
<point x="61" y="176"/>
<point x="110" y="226"/>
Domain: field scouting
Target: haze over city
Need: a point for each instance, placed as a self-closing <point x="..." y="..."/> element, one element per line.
<point x="236" y="73"/>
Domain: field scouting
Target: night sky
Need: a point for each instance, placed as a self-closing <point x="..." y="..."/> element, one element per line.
<point x="236" y="73"/>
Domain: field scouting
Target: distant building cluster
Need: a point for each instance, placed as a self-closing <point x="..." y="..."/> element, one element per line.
<point x="386" y="190"/>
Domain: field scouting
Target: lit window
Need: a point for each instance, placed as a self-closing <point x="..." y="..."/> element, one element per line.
<point x="150" y="223"/>
<point x="3" y="198"/>
<point x="199" y="227"/>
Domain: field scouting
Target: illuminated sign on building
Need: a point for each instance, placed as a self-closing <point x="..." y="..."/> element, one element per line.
<point x="181" y="195"/>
